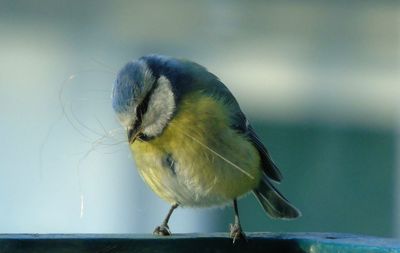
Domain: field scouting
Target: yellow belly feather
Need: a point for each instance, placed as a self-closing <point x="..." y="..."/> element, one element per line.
<point x="198" y="131"/>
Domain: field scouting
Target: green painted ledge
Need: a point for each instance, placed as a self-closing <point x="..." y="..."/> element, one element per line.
<point x="220" y="242"/>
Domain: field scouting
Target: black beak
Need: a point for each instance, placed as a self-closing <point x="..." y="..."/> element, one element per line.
<point x="132" y="135"/>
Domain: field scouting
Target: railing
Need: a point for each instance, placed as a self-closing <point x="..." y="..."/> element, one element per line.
<point x="256" y="242"/>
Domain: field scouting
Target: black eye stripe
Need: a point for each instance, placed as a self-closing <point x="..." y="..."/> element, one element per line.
<point x="143" y="106"/>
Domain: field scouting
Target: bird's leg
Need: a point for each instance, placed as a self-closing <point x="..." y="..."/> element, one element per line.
<point x="163" y="229"/>
<point x="236" y="229"/>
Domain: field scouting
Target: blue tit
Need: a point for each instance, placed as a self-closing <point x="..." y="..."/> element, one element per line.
<point x="191" y="142"/>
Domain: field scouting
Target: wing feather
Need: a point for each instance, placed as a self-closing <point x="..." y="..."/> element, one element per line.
<point x="269" y="167"/>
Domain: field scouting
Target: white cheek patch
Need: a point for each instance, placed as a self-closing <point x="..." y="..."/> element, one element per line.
<point x="160" y="109"/>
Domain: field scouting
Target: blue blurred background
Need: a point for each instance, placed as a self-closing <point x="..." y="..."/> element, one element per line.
<point x="319" y="81"/>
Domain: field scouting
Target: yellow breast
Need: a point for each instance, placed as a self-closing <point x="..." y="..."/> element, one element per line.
<point x="209" y="162"/>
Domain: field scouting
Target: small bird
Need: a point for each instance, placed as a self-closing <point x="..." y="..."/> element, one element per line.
<point x="191" y="142"/>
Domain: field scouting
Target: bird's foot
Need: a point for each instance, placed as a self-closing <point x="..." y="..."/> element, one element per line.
<point x="162" y="230"/>
<point x="237" y="233"/>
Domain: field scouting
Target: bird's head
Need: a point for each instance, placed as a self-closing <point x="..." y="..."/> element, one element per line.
<point x="143" y="100"/>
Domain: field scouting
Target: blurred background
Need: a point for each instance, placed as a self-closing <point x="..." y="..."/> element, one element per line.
<point x="319" y="81"/>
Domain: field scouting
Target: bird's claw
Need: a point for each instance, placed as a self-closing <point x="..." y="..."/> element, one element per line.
<point x="236" y="233"/>
<point x="162" y="230"/>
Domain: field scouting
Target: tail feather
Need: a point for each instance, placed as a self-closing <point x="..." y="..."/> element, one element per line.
<point x="274" y="203"/>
